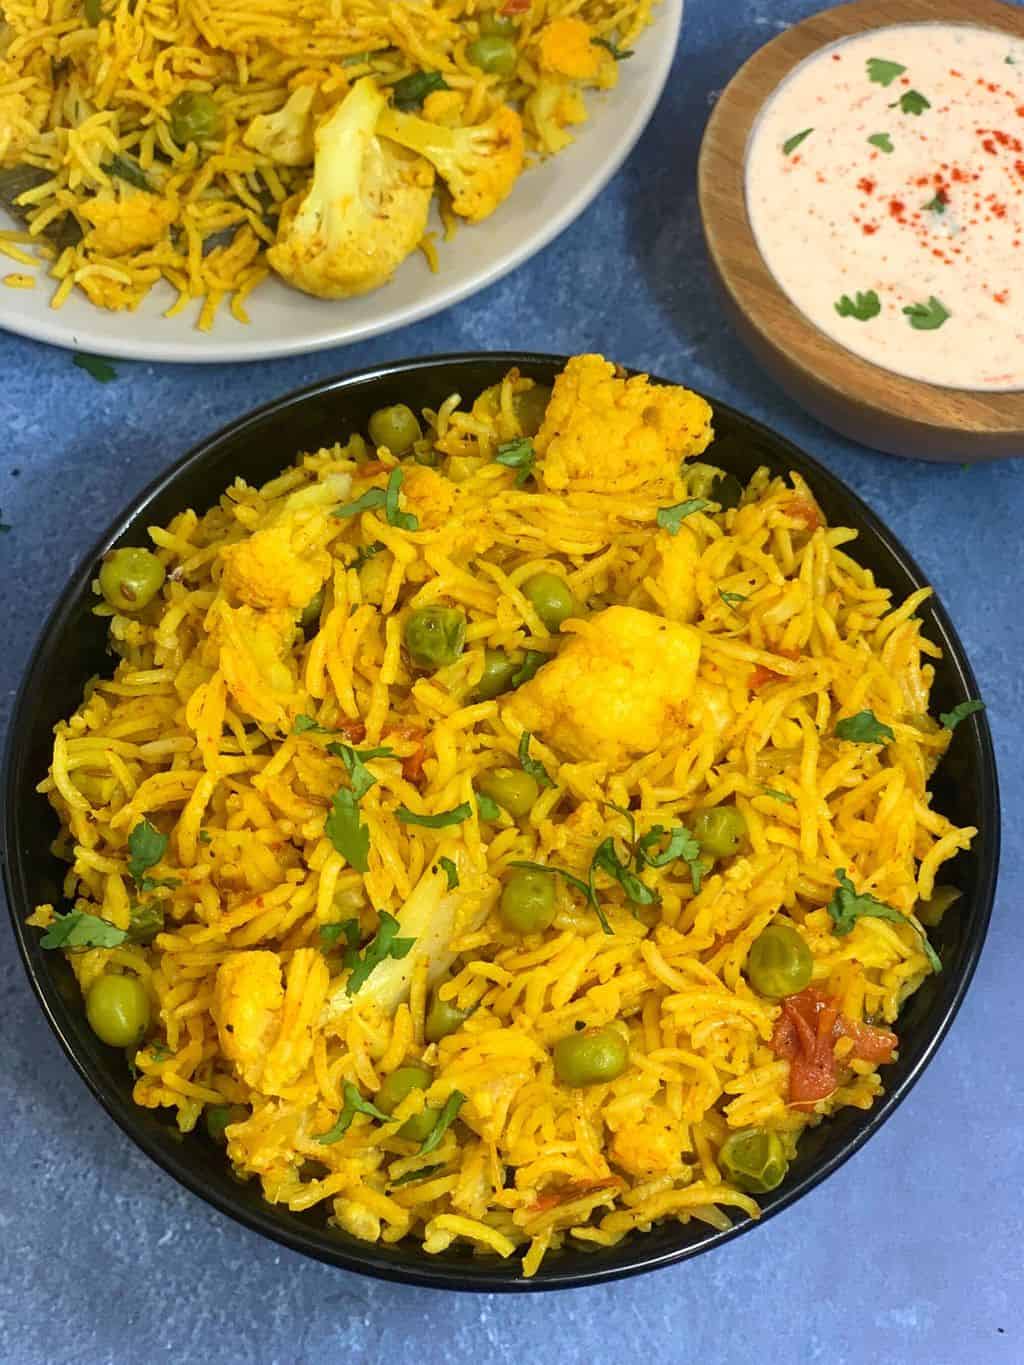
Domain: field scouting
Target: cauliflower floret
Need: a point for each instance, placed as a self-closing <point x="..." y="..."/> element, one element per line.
<point x="601" y="433"/>
<point x="566" y="47"/>
<point x="444" y="106"/>
<point x="247" y="1000"/>
<point x="286" y="136"/>
<point x="648" y="1148"/>
<point x="617" y="688"/>
<point x="357" y="1220"/>
<point x="675" y="574"/>
<point x="479" y="164"/>
<point x="265" y="571"/>
<point x="123" y="225"/>
<point x="253" y="646"/>
<point x="553" y="105"/>
<point x="429" y="494"/>
<point x="365" y="211"/>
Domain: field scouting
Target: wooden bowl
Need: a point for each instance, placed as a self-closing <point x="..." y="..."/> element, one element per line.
<point x="861" y="400"/>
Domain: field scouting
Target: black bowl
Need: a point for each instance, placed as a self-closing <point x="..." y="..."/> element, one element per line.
<point x="72" y="648"/>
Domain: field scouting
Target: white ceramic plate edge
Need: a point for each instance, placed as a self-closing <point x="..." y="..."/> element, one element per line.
<point x="64" y="327"/>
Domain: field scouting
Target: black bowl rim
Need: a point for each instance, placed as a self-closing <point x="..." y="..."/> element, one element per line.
<point x="435" y="1274"/>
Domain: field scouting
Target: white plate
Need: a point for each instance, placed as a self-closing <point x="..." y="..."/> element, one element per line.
<point x="285" y="322"/>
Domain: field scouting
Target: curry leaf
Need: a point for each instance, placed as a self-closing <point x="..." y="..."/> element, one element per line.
<point x="355" y="765"/>
<point x="450" y="871"/>
<point x="519" y="455"/>
<point x="353" y="1104"/>
<point x="951" y="719"/>
<point x="366" y="502"/>
<point x="621" y="54"/>
<point x="532" y="661"/>
<point x="124" y="168"/>
<point x="532" y="766"/>
<point x="79" y="929"/>
<point x="445" y="1119"/>
<point x="347" y="929"/>
<point x="412" y="90"/>
<point x="731" y="599"/>
<point x="455" y="816"/>
<point x="863" y="728"/>
<point x="405" y="521"/>
<point x="421" y="1173"/>
<point x="780" y="796"/>
<point x="671" y="518"/>
<point x="384" y="944"/>
<point x="792" y="143"/>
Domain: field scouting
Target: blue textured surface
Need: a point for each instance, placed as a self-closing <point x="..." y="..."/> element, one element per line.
<point x="912" y="1253"/>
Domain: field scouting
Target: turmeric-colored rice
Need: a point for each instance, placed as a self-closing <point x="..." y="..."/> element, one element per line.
<point x="742" y="636"/>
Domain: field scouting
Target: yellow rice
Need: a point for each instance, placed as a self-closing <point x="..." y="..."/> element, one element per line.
<point x="73" y="96"/>
<point x="194" y="732"/>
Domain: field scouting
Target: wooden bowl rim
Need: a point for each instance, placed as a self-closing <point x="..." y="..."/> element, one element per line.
<point x="752" y="287"/>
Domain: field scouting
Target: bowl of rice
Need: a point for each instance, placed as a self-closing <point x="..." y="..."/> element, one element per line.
<point x="536" y="822"/>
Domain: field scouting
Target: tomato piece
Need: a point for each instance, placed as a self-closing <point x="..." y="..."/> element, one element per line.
<point x="803" y="510"/>
<point x="513" y="7"/>
<point x="353" y="730"/>
<point x="761" y="676"/>
<point x="805" y="1035"/>
<point x="550" y="1199"/>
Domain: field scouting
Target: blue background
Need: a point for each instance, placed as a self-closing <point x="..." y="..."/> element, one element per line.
<point x="911" y="1253"/>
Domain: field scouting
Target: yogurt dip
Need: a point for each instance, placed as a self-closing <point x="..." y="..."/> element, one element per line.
<point x="885" y="189"/>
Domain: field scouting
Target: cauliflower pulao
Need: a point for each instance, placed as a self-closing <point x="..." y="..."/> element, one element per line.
<point x="504" y="828"/>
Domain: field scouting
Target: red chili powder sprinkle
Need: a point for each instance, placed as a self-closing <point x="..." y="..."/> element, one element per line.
<point x="1002" y="296"/>
<point x="866" y="185"/>
<point x="897" y="208"/>
<point x="869" y="229"/>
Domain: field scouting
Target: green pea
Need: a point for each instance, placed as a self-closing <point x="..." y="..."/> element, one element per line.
<point x="779" y="962"/>
<point x="530" y="407"/>
<point x="754" y="1160"/>
<point x="395" y="428"/>
<point x="494" y="24"/>
<point x="708" y="481"/>
<point x="443" y="1017"/>
<point x="218" y="1116"/>
<point x="496" y="55"/>
<point x="930" y="912"/>
<point x="401" y="1083"/>
<point x="195" y="117"/>
<point x="434" y="636"/>
<point x="421" y="1125"/>
<point x="499" y="670"/>
<point x="130" y="578"/>
<point x="593" y="1057"/>
<point x="550" y="598"/>
<point x="117" y="1008"/>
<point x="528" y="901"/>
<point x="310" y="617"/>
<point x="514" y="790"/>
<point x="719" y="830"/>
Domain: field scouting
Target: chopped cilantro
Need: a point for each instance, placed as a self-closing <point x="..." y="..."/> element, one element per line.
<point x="784" y="797"/>
<point x="455" y="816"/>
<point x="584" y="888"/>
<point x="927" y="317"/>
<point x="421" y="1173"/>
<point x="353" y="1104"/>
<point x="882" y="72"/>
<point x="79" y="929"/>
<point x="911" y="102"/>
<point x="303" y="724"/>
<point x="863" y="728"/>
<point x="937" y="204"/>
<point x="355" y="765"/>
<point x="532" y="661"/>
<point x="487" y="807"/>
<point x="951" y="719"/>
<point x="405" y="521"/>
<point x="792" y="143"/>
<point x="160" y="1051"/>
<point x="205" y="837"/>
<point x="146" y="846"/>
<point x="671" y="518"/>
<point x="606" y="860"/>
<point x="384" y="944"/>
<point x="331" y="933"/>
<point x="445" y="1119"/>
<point x="865" y="307"/>
<point x="95" y="366"/>
<point x="882" y="141"/>
<point x="621" y="54"/>
<point x="155" y="883"/>
<point x="530" y="765"/>
<point x="681" y="844"/>
<point x="519" y="455"/>
<point x="367" y="552"/>
<point x="847" y="906"/>
<point x="346" y="830"/>
<point x="412" y="90"/>
<point x="450" y="871"/>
